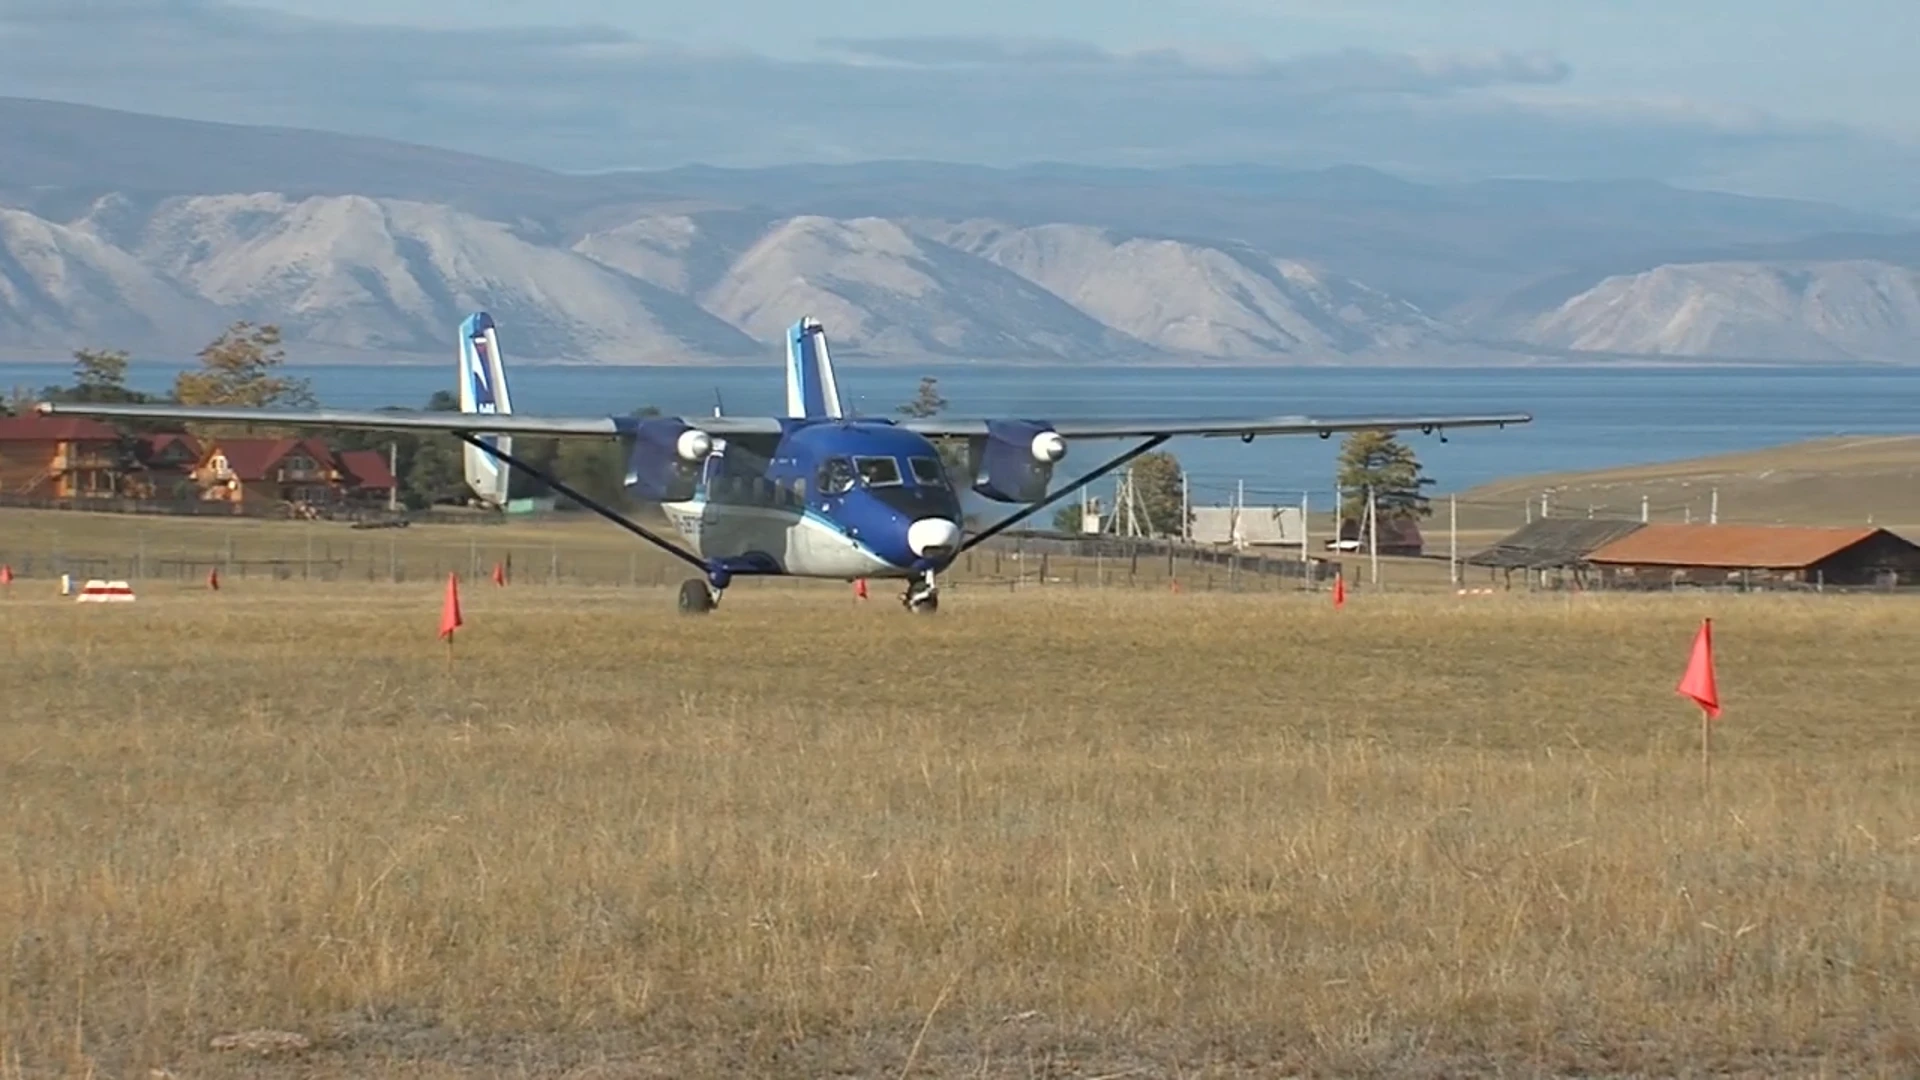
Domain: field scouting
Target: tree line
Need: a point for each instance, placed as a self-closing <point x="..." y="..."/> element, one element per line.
<point x="244" y="367"/>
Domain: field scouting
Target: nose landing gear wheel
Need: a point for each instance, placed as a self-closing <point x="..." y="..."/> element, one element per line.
<point x="696" y="597"/>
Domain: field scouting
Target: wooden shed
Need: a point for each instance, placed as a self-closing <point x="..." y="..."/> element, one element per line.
<point x="1558" y="545"/>
<point x="1662" y="555"/>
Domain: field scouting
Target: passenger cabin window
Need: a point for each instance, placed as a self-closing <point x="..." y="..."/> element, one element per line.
<point x="878" y="471"/>
<point x="836" y="476"/>
<point x="927" y="471"/>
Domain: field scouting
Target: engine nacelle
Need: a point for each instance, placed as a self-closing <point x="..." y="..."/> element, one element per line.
<point x="693" y="445"/>
<point x="1014" y="463"/>
<point x="664" y="462"/>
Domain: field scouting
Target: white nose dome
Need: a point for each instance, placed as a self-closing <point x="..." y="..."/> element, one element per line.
<point x="933" y="535"/>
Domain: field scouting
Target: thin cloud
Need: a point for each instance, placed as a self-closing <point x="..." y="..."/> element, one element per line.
<point x="1350" y="71"/>
<point x="590" y="97"/>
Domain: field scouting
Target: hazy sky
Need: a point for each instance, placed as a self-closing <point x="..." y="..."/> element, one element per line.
<point x="1773" y="96"/>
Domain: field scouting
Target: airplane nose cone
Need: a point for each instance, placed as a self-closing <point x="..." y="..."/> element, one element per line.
<point x="933" y="536"/>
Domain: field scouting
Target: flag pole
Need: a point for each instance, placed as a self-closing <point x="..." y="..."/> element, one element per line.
<point x="1706" y="754"/>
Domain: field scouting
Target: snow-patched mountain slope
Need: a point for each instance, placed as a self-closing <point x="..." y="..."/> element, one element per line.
<point x="389" y="274"/>
<point x="1195" y="298"/>
<point x="880" y="289"/>
<point x="1816" y="311"/>
<point x="63" y="287"/>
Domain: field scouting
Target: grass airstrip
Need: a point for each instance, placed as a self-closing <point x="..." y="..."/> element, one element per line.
<point x="1064" y="832"/>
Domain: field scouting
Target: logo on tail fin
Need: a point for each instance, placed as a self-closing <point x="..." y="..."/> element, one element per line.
<point x="483" y="391"/>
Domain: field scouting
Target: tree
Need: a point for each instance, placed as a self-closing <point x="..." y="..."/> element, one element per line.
<point x="1158" y="488"/>
<point x="238" y="368"/>
<point x="926" y="401"/>
<point x="1378" y="461"/>
<point x="100" y="375"/>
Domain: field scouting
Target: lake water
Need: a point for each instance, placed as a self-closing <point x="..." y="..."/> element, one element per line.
<point x="1583" y="417"/>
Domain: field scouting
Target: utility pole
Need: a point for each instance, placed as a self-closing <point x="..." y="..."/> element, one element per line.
<point x="1453" y="540"/>
<point x="1713" y="508"/>
<point x="1187" y="514"/>
<point x="393" y="470"/>
<point x="1643" y="509"/>
<point x="1237" y="534"/>
<point x="1373" y="536"/>
<point x="1544" y="511"/>
<point x="1304" y="556"/>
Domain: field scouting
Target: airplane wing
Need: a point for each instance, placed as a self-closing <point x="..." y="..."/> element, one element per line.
<point x="607" y="427"/>
<point x="1242" y="427"/>
<point x="723" y="426"/>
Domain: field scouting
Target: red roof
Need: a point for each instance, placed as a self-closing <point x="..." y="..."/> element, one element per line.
<point x="1734" y="547"/>
<point x="369" y="468"/>
<point x="155" y="444"/>
<point x="38" y="428"/>
<point x="255" y="457"/>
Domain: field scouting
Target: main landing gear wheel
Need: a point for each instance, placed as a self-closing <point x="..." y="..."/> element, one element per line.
<point x="921" y="598"/>
<point x="696" y="597"/>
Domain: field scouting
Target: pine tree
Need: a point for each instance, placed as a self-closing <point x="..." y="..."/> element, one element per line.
<point x="1377" y="461"/>
<point x="927" y="402"/>
<point x="1157" y="486"/>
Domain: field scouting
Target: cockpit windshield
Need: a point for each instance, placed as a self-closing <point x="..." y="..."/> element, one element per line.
<point x="927" y="471"/>
<point x="836" y="477"/>
<point x="878" y="471"/>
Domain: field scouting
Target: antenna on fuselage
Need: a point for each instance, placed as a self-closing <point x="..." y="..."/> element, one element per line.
<point x="718" y="405"/>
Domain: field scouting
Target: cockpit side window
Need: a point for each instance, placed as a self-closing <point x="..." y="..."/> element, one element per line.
<point x="928" y="471"/>
<point x="836" y="476"/>
<point x="878" y="471"/>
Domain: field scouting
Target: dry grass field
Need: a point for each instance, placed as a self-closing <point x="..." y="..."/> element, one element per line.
<point x="1060" y="833"/>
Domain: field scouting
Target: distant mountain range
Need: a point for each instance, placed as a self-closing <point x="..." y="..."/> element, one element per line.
<point x="149" y="234"/>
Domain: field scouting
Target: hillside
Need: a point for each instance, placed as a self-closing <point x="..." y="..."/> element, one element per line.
<point x="1852" y="310"/>
<point x="1846" y="480"/>
<point x="148" y="233"/>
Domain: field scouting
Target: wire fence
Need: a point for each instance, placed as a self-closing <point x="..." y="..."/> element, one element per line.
<point x="325" y="553"/>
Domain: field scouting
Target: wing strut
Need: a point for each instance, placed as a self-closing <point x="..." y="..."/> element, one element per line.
<point x="1089" y="478"/>
<point x="610" y="514"/>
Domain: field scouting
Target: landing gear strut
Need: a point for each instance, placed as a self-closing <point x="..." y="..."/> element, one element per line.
<point x="922" y="596"/>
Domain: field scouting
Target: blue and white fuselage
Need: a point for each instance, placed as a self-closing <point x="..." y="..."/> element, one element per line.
<point x="838" y="499"/>
<point x="813" y="494"/>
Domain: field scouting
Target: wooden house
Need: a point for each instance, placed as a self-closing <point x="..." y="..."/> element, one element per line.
<point x="167" y="463"/>
<point x="252" y="471"/>
<point x="61" y="457"/>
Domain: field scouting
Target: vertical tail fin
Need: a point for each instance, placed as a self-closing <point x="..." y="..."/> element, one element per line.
<point x="483" y="390"/>
<point x="811" y="389"/>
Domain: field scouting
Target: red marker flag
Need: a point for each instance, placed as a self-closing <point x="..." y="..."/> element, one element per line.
<point x="1340" y="590"/>
<point x="213" y="579"/>
<point x="1698" y="682"/>
<point x="499" y="573"/>
<point x="6" y="575"/>
<point x="450" y="609"/>
<point x="860" y="588"/>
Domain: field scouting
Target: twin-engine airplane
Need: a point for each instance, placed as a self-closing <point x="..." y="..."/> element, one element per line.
<point x="812" y="494"/>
